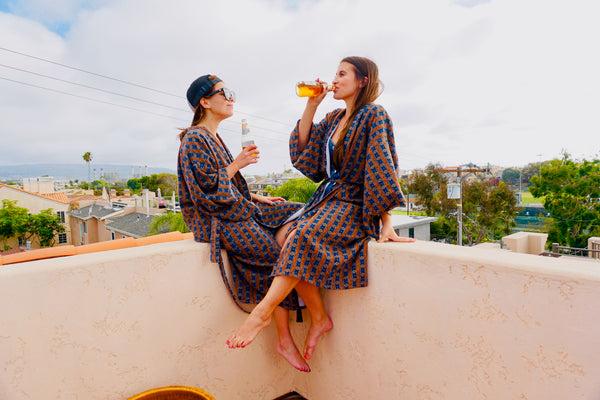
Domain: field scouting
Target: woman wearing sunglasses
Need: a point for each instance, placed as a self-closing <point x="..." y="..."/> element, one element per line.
<point x="219" y="209"/>
<point x="352" y="152"/>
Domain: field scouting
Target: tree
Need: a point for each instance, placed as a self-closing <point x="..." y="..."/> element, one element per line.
<point x="87" y="157"/>
<point x="488" y="209"/>
<point x="167" y="183"/>
<point x="47" y="225"/>
<point x="20" y="223"/>
<point x="511" y="176"/>
<point x="168" y="222"/>
<point x="300" y="190"/>
<point x="98" y="185"/>
<point x="427" y="184"/>
<point x="12" y="220"/>
<point x="135" y="185"/>
<point x="149" y="182"/>
<point x="571" y="192"/>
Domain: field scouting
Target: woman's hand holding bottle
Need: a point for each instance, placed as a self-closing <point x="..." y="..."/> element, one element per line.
<point x="248" y="155"/>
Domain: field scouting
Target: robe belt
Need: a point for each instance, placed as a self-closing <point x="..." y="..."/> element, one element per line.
<point x="215" y="256"/>
<point x="341" y="181"/>
<point x="215" y="240"/>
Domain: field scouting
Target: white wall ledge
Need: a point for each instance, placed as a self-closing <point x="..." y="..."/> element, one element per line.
<point x="436" y="321"/>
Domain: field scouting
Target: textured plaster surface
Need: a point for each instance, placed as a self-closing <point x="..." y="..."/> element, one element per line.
<point x="444" y="322"/>
<point x="112" y="324"/>
<point x="436" y="322"/>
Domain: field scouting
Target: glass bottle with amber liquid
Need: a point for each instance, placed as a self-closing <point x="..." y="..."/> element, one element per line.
<point x="312" y="88"/>
<point x="247" y="138"/>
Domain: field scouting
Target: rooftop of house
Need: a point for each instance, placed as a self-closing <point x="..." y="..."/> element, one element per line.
<point x="95" y="211"/>
<point x="135" y="224"/>
<point x="410" y="221"/>
<point x="58" y="197"/>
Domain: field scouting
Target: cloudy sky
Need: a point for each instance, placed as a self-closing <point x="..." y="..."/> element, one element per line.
<point x="505" y="82"/>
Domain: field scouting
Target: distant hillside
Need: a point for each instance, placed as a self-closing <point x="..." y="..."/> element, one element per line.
<point x="73" y="171"/>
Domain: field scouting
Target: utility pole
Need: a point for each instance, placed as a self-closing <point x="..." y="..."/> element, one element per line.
<point x="455" y="191"/>
<point x="520" y="183"/>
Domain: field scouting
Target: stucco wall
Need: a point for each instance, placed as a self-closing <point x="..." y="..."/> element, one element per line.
<point x="109" y="325"/>
<point x="445" y="322"/>
<point x="436" y="322"/>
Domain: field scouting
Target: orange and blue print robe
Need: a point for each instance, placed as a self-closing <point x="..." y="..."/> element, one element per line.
<point x="219" y="210"/>
<point x="329" y="243"/>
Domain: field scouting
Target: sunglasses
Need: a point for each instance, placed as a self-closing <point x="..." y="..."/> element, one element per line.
<point x="229" y="94"/>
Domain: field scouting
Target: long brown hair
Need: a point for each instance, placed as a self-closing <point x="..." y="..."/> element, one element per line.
<point x="199" y="112"/>
<point x="363" y="67"/>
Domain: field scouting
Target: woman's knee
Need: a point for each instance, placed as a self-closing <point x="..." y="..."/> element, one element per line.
<point x="282" y="233"/>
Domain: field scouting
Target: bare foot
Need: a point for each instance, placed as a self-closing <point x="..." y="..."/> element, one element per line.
<point x="288" y="350"/>
<point x="314" y="333"/>
<point x="248" y="331"/>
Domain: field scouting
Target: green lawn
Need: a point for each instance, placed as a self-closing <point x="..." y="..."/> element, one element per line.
<point x="527" y="198"/>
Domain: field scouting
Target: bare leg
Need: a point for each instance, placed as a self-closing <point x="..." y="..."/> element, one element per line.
<point x="281" y="233"/>
<point x="320" y="321"/>
<point x="285" y="345"/>
<point x="260" y="317"/>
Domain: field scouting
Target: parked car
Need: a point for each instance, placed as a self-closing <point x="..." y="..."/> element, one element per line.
<point x="175" y="208"/>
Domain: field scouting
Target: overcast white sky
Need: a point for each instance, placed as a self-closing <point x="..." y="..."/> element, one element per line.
<point x="505" y="82"/>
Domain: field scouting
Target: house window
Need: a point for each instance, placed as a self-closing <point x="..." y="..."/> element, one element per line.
<point x="123" y="237"/>
<point x="21" y="242"/>
<point x="411" y="233"/>
<point x="62" y="238"/>
<point x="112" y="235"/>
<point x="61" y="215"/>
<point x="84" y="227"/>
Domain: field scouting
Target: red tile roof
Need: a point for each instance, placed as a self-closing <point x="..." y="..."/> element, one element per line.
<point x="12" y="251"/>
<point x="58" y="197"/>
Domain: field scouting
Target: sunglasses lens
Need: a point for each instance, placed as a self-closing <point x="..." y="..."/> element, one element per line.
<point x="229" y="94"/>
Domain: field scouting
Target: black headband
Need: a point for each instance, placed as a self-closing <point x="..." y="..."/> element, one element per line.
<point x="198" y="90"/>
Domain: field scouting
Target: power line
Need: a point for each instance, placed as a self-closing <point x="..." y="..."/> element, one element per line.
<point x="93" y="88"/>
<point x="116" y="105"/>
<point x="124" y="95"/>
<point x="117" y="80"/>
<point x="89" y="72"/>
<point x="89" y="98"/>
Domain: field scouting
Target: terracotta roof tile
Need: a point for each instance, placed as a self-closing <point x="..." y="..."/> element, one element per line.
<point x="60" y="197"/>
<point x="50" y="196"/>
<point x="16" y="250"/>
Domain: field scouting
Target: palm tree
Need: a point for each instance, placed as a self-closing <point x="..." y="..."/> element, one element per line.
<point x="88" y="159"/>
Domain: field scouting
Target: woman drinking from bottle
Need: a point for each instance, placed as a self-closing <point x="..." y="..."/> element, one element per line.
<point x="352" y="152"/>
<point x="219" y="209"/>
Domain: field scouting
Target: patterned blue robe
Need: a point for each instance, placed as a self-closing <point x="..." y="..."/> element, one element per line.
<point x="219" y="210"/>
<point x="329" y="245"/>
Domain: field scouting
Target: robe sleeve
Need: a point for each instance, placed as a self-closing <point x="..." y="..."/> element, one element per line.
<point x="311" y="161"/>
<point x="209" y="186"/>
<point x="381" y="187"/>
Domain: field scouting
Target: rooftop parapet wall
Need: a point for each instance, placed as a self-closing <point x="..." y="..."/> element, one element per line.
<point x="436" y="321"/>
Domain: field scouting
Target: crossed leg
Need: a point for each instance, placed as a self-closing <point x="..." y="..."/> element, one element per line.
<point x="319" y="320"/>
<point x="260" y="317"/>
<point x="285" y="343"/>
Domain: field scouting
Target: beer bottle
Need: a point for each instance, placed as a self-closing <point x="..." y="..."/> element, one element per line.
<point x="311" y="88"/>
<point x="247" y="138"/>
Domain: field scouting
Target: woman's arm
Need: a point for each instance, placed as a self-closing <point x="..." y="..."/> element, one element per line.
<point x="387" y="230"/>
<point x="305" y="125"/>
<point x="307" y="119"/>
<point x="258" y="198"/>
<point x="249" y="155"/>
